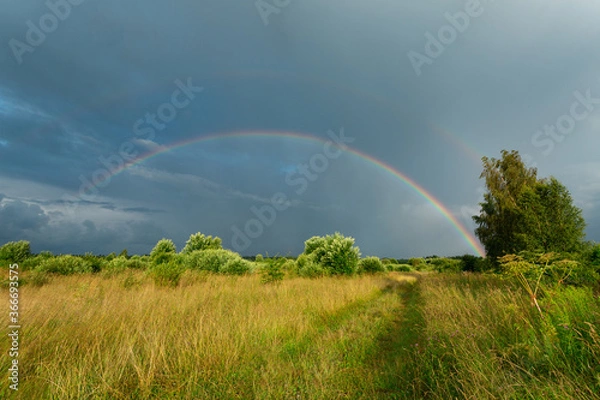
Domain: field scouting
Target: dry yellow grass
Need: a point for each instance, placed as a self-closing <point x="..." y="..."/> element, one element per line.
<point x="211" y="337"/>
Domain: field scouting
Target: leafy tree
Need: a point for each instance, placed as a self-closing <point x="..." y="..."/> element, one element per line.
<point x="523" y="213"/>
<point x="199" y="241"/>
<point x="551" y="222"/>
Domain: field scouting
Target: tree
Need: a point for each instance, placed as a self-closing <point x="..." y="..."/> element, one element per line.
<point x="523" y="213"/>
<point x="551" y="222"/>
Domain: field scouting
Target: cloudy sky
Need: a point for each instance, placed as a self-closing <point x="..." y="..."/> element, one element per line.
<point x="87" y="87"/>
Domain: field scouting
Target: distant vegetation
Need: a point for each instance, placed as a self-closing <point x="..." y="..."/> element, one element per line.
<point x="206" y="322"/>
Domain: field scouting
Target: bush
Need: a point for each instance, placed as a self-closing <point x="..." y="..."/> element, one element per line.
<point x="65" y="265"/>
<point x="417" y="263"/>
<point x="370" y="265"/>
<point x="15" y="252"/>
<point x="97" y="263"/>
<point x="399" y="268"/>
<point x="446" y="265"/>
<point x="236" y="266"/>
<point x="198" y="242"/>
<point x="136" y="262"/>
<point x="308" y="268"/>
<point x="313" y="270"/>
<point x="115" y="267"/>
<point x="163" y="252"/>
<point x="273" y="270"/>
<point x="336" y="253"/>
<point x="210" y="260"/>
<point x="33" y="262"/>
<point x="166" y="273"/>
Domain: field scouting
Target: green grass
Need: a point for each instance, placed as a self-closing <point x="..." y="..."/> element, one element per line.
<point x="394" y="336"/>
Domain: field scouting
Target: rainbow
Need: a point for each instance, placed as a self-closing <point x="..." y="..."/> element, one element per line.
<point x="470" y="239"/>
<point x="463" y="145"/>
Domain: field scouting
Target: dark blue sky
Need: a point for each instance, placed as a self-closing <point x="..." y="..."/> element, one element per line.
<point x="427" y="88"/>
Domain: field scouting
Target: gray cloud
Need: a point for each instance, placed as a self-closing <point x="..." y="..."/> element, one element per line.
<point x="316" y="66"/>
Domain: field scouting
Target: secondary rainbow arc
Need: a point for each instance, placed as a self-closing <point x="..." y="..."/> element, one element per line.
<point x="469" y="238"/>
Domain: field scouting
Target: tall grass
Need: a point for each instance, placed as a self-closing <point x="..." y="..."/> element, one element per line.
<point x="394" y="336"/>
<point x="122" y="337"/>
<point x="480" y="338"/>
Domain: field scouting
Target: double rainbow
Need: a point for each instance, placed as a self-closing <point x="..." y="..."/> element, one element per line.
<point x="469" y="238"/>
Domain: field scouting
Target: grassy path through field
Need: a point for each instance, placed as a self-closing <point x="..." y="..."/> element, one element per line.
<point x="222" y="338"/>
<point x="398" y="343"/>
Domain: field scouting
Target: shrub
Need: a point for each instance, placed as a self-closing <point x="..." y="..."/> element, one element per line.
<point x="198" y="242"/>
<point x="33" y="262"/>
<point x="236" y="266"/>
<point x="370" y="265"/>
<point x="336" y="253"/>
<point x="313" y="270"/>
<point x="136" y="262"/>
<point x="399" y="268"/>
<point x="15" y="252"/>
<point x="115" y="267"/>
<point x="65" y="265"/>
<point x="97" y="263"/>
<point x="446" y="265"/>
<point x="417" y="263"/>
<point x="166" y="273"/>
<point x="314" y="244"/>
<point x="163" y="252"/>
<point x="273" y="270"/>
<point x="308" y="268"/>
<point x="210" y="260"/>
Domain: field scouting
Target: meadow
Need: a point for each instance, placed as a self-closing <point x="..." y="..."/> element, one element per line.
<point x="386" y="335"/>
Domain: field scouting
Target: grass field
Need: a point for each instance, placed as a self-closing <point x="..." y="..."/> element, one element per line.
<point x="381" y="336"/>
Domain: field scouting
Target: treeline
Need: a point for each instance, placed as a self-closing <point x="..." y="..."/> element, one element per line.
<point x="323" y="256"/>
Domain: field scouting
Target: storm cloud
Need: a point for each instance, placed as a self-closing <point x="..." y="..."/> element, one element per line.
<point x="86" y="88"/>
